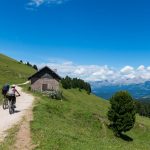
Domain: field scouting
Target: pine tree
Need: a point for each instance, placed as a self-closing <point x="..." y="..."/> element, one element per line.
<point x="64" y="83"/>
<point x="21" y="61"/>
<point x="28" y="64"/>
<point x="35" y="67"/>
<point x="121" y="113"/>
<point x="88" y="88"/>
<point x="69" y="83"/>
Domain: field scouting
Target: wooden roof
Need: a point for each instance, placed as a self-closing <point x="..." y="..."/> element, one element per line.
<point x="45" y="70"/>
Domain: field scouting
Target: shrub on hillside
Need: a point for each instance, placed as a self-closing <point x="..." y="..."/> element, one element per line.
<point x="58" y="95"/>
<point x="69" y="83"/>
<point x="121" y="113"/>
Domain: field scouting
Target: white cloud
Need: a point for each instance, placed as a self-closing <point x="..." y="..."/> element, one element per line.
<point x="126" y="75"/>
<point x="141" y="68"/>
<point x="127" y="70"/>
<point x="80" y="71"/>
<point x="37" y="3"/>
<point x="148" y="68"/>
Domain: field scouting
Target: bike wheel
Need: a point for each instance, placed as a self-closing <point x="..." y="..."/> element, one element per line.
<point x="11" y="111"/>
<point x="4" y="104"/>
<point x="11" y="108"/>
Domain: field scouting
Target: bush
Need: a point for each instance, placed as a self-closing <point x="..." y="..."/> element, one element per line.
<point x="56" y="95"/>
<point x="121" y="113"/>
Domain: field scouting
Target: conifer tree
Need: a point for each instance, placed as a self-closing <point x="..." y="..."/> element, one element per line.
<point x="121" y="113"/>
<point x="35" y="67"/>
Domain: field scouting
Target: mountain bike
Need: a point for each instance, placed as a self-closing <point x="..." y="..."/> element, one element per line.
<point x="5" y="103"/>
<point x="11" y="105"/>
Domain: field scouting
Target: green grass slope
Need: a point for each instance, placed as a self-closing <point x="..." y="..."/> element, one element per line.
<point x="12" y="71"/>
<point x="79" y="122"/>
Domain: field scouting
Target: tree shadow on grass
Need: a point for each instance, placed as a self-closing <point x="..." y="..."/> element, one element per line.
<point x="125" y="137"/>
<point x="121" y="135"/>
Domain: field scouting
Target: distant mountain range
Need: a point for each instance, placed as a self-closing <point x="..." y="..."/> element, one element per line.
<point x="105" y="90"/>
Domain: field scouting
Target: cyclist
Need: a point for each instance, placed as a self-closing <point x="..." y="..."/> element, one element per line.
<point x="12" y="94"/>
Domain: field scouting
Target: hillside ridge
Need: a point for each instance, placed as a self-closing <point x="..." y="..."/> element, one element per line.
<point x="13" y="72"/>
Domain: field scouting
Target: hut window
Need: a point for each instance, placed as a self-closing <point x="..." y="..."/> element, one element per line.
<point x="44" y="87"/>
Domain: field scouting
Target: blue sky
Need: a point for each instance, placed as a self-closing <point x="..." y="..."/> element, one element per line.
<point x="115" y="33"/>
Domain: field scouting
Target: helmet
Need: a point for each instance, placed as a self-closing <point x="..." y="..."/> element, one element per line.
<point x="13" y="86"/>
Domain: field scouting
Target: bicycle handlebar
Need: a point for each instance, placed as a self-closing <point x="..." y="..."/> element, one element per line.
<point x="18" y="95"/>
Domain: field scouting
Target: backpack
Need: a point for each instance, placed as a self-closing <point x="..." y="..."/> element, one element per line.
<point x="5" y="89"/>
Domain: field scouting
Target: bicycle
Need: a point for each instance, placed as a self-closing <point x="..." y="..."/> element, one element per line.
<point x="5" y="103"/>
<point x="11" y="105"/>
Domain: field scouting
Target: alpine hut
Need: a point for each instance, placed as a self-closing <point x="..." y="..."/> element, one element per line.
<point x="45" y="80"/>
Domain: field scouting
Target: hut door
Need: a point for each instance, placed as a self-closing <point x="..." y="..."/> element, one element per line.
<point x="44" y="87"/>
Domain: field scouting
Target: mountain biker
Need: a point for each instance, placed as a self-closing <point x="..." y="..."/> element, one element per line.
<point x="5" y="89"/>
<point x="12" y="94"/>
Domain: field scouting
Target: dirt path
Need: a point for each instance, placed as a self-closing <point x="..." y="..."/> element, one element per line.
<point x="24" y="109"/>
<point x="23" y="138"/>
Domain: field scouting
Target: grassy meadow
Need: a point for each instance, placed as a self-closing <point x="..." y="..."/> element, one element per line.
<point x="80" y="122"/>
